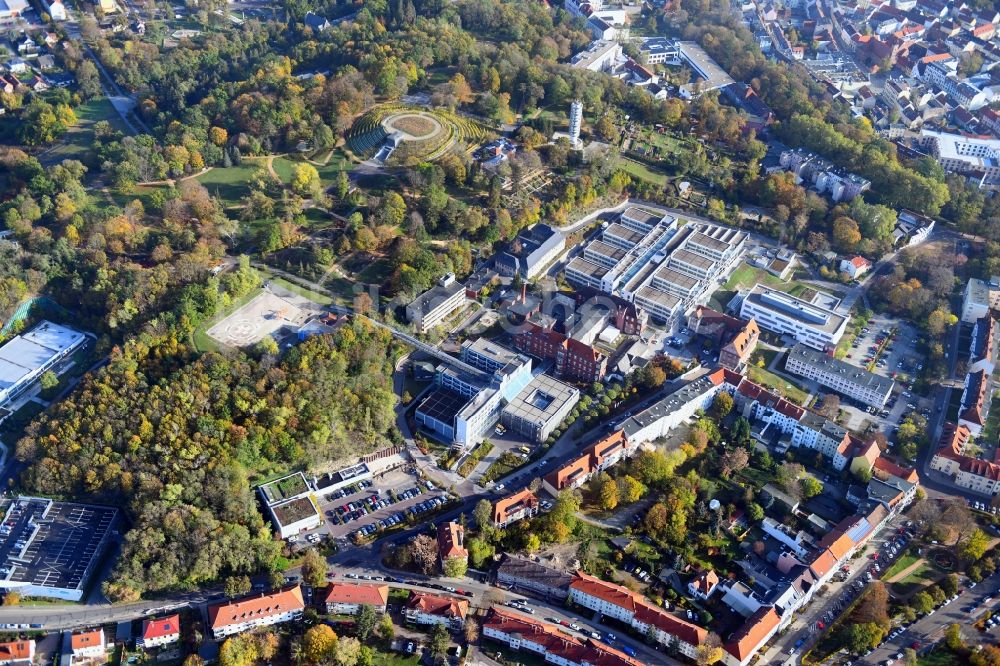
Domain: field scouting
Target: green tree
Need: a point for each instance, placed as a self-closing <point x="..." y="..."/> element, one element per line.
<point x="439" y="642"/>
<point x="455" y="567"/>
<point x="922" y="603"/>
<point x="810" y="486"/>
<point x="863" y="636"/>
<point x="483" y="515"/>
<point x="237" y="585"/>
<point x="607" y="492"/>
<point x="386" y="629"/>
<point x="722" y="405"/>
<point x="953" y="637"/>
<point x="364" y="622"/>
<point x="48" y="380"/>
<point x="975" y="545"/>
<point x="347" y="651"/>
<point x="314" y="568"/>
<point x="630" y="489"/>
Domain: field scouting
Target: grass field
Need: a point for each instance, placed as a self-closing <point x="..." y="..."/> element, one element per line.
<point x="230" y="183"/>
<point x="899" y="565"/>
<point x="780" y="384"/>
<point x="941" y="657"/>
<point x="376" y="272"/>
<point x="643" y="172"/>
<point x="79" y="140"/>
<point x="283" y="166"/>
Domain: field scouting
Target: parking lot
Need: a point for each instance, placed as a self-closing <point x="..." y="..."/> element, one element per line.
<point x="892" y="346"/>
<point x="373" y="504"/>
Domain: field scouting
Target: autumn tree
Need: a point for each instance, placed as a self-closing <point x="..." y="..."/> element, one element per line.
<point x="314" y="568"/>
<point x="606" y="492"/>
<point x="846" y="234"/>
<point x="305" y="179"/>
<point x="424" y="553"/>
<point x="630" y="489"/>
<point x="722" y="405"/>
<point x="347" y="651"/>
<point x="710" y="651"/>
<point x="974" y="546"/>
<point x="319" y="644"/>
<point x="733" y="460"/>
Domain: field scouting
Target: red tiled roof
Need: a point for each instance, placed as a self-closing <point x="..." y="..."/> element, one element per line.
<point x="889" y="467"/>
<point x="450" y="537"/>
<point x="562" y="477"/>
<point x="749" y="637"/>
<point x="354" y="593"/>
<point x="86" y="639"/>
<point x="641" y="608"/>
<point x="706" y="581"/>
<point x="508" y="505"/>
<point x="556" y="641"/>
<point x="17" y="650"/>
<point x="256" y="607"/>
<point x="161" y="627"/>
<point x="433" y="604"/>
<point x="823" y="563"/>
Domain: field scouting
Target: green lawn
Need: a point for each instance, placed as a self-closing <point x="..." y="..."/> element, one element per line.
<point x="78" y="142"/>
<point x="643" y="172"/>
<point x="941" y="657"/>
<point x="283" y="166"/>
<point x="393" y="659"/>
<point x="230" y="183"/>
<point x="784" y="386"/>
<point x="899" y="565"/>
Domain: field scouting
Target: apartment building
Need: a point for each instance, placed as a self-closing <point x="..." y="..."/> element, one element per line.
<point x="842" y="377"/>
<point x="673" y="409"/>
<point x="599" y="56"/>
<point x="435" y="305"/>
<point x="259" y="610"/>
<point x="973" y="156"/>
<point x="976" y="400"/>
<point x="980" y="476"/>
<point x="348" y="598"/>
<point x="735" y="338"/>
<point x="523" y="574"/>
<point x="626" y="606"/>
<point x="595" y="459"/>
<point x="429" y="609"/>
<point x="823" y="175"/>
<point x="509" y="510"/>
<point x="783" y="314"/>
<point x="554" y="644"/>
<point x="980" y="298"/>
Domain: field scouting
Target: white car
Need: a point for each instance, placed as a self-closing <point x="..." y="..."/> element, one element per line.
<point x="574" y="626"/>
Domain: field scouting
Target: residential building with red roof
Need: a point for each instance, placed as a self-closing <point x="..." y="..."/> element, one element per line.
<point x="348" y="598"/>
<point x="160" y="631"/>
<point x="570" y="476"/>
<point x="510" y="509"/>
<point x="634" y="609"/>
<point x="751" y="636"/>
<point x="554" y="644"/>
<point x="89" y="644"/>
<point x="704" y="584"/>
<point x="424" y="608"/>
<point x="855" y="266"/>
<point x="16" y="653"/>
<point x="451" y="537"/>
<point x="259" y="610"/>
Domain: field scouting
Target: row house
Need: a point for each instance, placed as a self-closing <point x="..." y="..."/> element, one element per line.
<point x="626" y="606"/>
<point x="551" y="642"/>
<point x="595" y="459"/>
<point x="260" y="610"/>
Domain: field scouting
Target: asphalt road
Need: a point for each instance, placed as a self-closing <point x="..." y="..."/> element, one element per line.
<point x="930" y="628"/>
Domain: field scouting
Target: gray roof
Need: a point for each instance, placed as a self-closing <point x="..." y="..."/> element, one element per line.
<point x="542" y="399"/>
<point x="852" y="373"/>
<point x="667" y="405"/>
